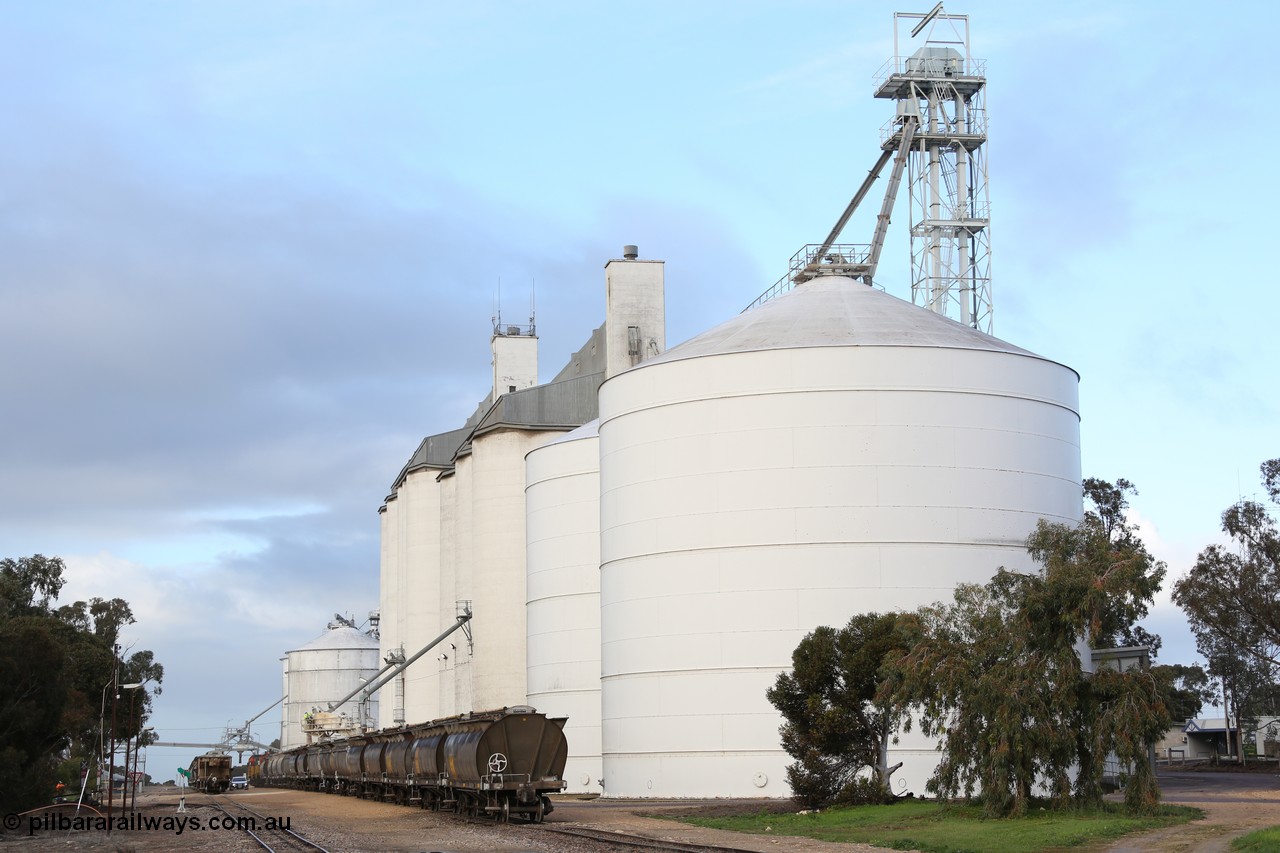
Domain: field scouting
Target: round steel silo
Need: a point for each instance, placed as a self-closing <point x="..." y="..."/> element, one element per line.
<point x="834" y="451"/>
<point x="562" y="506"/>
<point x="324" y="671"/>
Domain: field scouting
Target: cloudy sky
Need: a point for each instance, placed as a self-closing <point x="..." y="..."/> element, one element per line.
<point x="249" y="252"/>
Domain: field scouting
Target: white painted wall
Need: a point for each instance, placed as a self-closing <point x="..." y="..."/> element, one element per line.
<point x="562" y="506"/>
<point x="390" y="601"/>
<point x="515" y="363"/>
<point x="749" y="497"/>
<point x="498" y="577"/>
<point x="420" y="519"/>
<point x="459" y="668"/>
<point x="446" y="597"/>
<point x="634" y="296"/>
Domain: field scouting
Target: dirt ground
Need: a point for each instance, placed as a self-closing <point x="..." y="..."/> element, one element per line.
<point x="1235" y="803"/>
<point x="349" y="825"/>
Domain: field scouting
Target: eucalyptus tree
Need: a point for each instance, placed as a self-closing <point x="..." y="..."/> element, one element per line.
<point x="1187" y="688"/>
<point x="835" y="727"/>
<point x="996" y="675"/>
<point x="56" y="665"/>
<point x="1233" y="592"/>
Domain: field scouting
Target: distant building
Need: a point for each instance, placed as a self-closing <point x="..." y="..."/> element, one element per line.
<point x="1207" y="737"/>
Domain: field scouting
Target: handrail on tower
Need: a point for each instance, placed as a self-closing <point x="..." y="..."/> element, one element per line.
<point x="939" y="133"/>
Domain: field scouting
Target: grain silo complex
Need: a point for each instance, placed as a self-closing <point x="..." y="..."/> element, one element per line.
<point x="641" y="543"/>
<point x="563" y="510"/>
<point x="324" y="671"/>
<point x="454" y="525"/>
<point x="833" y="451"/>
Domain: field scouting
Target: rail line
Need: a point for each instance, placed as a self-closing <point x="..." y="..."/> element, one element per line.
<point x="639" y="842"/>
<point x="291" y="838"/>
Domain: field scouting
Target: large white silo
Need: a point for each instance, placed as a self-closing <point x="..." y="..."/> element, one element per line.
<point x="498" y="575"/>
<point x="562" y="506"/>
<point x="419" y="561"/>
<point x="389" y="607"/>
<point x="457" y="553"/>
<point x="324" y="671"/>
<point x="834" y="451"/>
<point x="391" y="601"/>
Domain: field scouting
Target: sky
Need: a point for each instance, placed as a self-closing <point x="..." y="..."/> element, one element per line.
<point x="250" y="253"/>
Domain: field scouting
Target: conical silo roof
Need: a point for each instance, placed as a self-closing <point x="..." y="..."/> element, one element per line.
<point x="834" y="311"/>
<point x="340" y="637"/>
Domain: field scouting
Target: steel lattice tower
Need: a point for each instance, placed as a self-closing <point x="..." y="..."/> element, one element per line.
<point x="943" y="88"/>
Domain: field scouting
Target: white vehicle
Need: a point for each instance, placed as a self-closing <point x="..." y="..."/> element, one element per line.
<point x="239" y="782"/>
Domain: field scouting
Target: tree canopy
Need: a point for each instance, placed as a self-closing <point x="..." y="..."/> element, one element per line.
<point x="56" y="665"/>
<point x="834" y="726"/>
<point x="997" y="675"/>
<point x="1187" y="688"/>
<point x="1233" y="592"/>
<point x="1232" y="601"/>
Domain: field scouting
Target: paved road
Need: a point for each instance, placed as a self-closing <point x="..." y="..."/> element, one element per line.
<point x="1234" y="804"/>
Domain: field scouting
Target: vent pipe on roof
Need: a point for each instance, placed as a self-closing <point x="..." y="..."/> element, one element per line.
<point x="630" y="253"/>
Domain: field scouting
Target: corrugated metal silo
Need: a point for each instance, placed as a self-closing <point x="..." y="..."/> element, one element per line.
<point x="324" y="671"/>
<point x="834" y="451"/>
<point x="562" y="505"/>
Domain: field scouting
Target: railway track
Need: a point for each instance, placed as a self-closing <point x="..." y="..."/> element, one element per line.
<point x="637" y="842"/>
<point x="610" y="837"/>
<point x="564" y="834"/>
<point x="281" y="838"/>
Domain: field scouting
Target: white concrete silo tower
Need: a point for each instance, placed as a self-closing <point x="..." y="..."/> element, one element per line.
<point x="562" y="499"/>
<point x="834" y="451"/>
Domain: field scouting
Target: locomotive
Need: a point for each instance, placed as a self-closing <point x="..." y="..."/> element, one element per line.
<point x="210" y="772"/>
<point x="497" y="763"/>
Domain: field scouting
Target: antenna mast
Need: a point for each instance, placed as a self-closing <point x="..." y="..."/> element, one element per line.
<point x="943" y="87"/>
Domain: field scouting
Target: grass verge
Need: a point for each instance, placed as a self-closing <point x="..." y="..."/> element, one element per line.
<point x="1263" y="841"/>
<point x="943" y="828"/>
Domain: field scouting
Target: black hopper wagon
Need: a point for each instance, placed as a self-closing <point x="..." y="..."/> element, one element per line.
<point x="497" y="763"/>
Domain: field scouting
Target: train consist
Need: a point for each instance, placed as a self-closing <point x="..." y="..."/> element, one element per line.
<point x="496" y="763"/>
<point x="210" y="772"/>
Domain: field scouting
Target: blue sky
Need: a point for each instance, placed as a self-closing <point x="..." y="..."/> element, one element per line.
<point x="249" y="253"/>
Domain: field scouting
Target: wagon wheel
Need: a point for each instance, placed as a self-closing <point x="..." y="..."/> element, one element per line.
<point x="540" y="813"/>
<point x="505" y="815"/>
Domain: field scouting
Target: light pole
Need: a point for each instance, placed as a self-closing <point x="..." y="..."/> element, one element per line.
<point x="102" y="747"/>
<point x="111" y="773"/>
<point x="141" y="742"/>
<point x="124" y="792"/>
